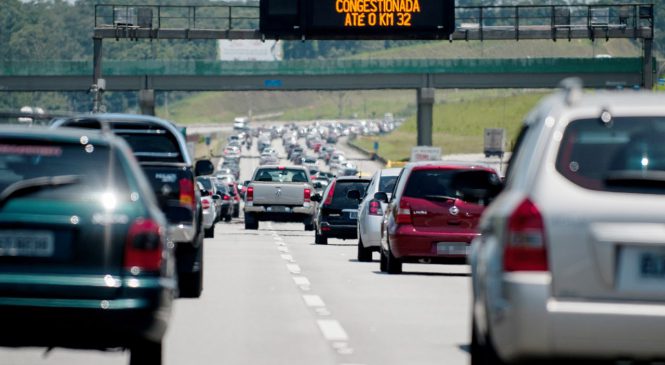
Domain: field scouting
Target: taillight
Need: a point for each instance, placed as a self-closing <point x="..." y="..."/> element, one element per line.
<point x="331" y="192"/>
<point x="187" y="196"/>
<point x="143" y="247"/>
<point x="307" y="195"/>
<point x="404" y="212"/>
<point x="226" y="197"/>
<point x="525" y="249"/>
<point x="205" y="204"/>
<point x="375" y="208"/>
<point x="250" y="194"/>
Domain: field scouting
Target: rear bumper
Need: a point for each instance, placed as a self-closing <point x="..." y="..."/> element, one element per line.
<point x="208" y="219"/>
<point x="409" y="243"/>
<point x="182" y="232"/>
<point x="571" y="328"/>
<point x="263" y="213"/>
<point x="370" y="231"/>
<point x="339" y="231"/>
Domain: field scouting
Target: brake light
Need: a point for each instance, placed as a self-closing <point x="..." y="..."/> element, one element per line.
<point x="375" y="208"/>
<point x="250" y="194"/>
<point x="187" y="196"/>
<point x="525" y="249"/>
<point x="404" y="212"/>
<point x="143" y="247"/>
<point x="226" y="197"/>
<point x="307" y="195"/>
<point x="205" y="204"/>
<point x="331" y="192"/>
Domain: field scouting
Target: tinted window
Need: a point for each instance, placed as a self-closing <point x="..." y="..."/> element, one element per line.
<point x="387" y="183"/>
<point x="153" y="146"/>
<point x="342" y="188"/>
<point x="627" y="155"/>
<point x="475" y="186"/>
<point x="93" y="169"/>
<point x="281" y="175"/>
<point x="207" y="184"/>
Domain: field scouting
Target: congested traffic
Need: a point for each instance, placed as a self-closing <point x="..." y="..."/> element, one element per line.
<point x="104" y="219"/>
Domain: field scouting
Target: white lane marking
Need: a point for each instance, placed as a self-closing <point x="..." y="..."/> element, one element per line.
<point x="288" y="258"/>
<point x="332" y="330"/>
<point x="323" y="312"/>
<point x="279" y="238"/>
<point x="313" y="300"/>
<point x="283" y="249"/>
<point x="301" y="280"/>
<point x="293" y="268"/>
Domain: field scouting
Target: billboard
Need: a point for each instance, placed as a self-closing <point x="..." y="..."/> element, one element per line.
<point x="249" y="50"/>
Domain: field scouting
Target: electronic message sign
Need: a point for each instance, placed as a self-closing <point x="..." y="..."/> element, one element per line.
<point x="358" y="19"/>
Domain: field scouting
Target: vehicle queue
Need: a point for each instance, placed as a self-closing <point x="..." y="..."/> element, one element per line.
<point x="89" y="220"/>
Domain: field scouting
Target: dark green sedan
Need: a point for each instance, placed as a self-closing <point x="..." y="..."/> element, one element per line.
<point x="84" y="260"/>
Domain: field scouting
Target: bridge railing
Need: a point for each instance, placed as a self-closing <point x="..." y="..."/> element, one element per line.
<point x="322" y="67"/>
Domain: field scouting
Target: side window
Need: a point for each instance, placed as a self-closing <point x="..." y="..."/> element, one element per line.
<point x="398" y="183"/>
<point x="516" y="152"/>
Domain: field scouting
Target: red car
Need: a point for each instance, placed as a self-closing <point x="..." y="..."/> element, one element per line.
<point x="434" y="212"/>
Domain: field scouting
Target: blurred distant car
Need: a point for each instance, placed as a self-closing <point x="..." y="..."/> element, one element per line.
<point x="264" y="142"/>
<point x="576" y="241"/>
<point x="370" y="212"/>
<point x="347" y="169"/>
<point x="337" y="213"/>
<point x="210" y="185"/>
<point x="231" y="152"/>
<point x="85" y="257"/>
<point x="434" y="213"/>
<point x="228" y="208"/>
<point x="337" y="160"/>
<point x="210" y="215"/>
<point x="309" y="162"/>
<point x="268" y="158"/>
<point x="296" y="154"/>
<point x="235" y="198"/>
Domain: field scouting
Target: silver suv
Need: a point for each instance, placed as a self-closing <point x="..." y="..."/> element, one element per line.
<point x="571" y="260"/>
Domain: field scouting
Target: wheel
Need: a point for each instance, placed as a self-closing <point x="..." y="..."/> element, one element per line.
<point x="320" y="239"/>
<point x="482" y="353"/>
<point x="190" y="281"/>
<point x="209" y="232"/>
<point x="364" y="253"/>
<point x="236" y="211"/>
<point x="393" y="264"/>
<point x="384" y="261"/>
<point x="309" y="225"/>
<point x="227" y="218"/>
<point x="146" y="353"/>
<point x="251" y="222"/>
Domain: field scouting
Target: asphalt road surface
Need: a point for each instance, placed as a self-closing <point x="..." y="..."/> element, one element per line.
<point x="273" y="297"/>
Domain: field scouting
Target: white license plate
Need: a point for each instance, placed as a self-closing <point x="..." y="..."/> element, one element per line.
<point x="452" y="248"/>
<point x="26" y="243"/>
<point x="641" y="269"/>
<point x="279" y="209"/>
<point x="353" y="215"/>
<point x="652" y="265"/>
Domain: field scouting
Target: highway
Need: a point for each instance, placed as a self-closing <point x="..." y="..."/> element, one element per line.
<point x="273" y="297"/>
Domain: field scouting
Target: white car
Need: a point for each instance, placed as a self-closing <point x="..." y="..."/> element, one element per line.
<point x="209" y="212"/>
<point x="370" y="212"/>
<point x="570" y="264"/>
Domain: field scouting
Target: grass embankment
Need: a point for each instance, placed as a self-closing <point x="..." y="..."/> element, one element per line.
<point x="459" y="122"/>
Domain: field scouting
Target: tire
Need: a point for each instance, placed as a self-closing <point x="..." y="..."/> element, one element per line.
<point x="190" y="284"/>
<point x="364" y="253"/>
<point x="383" y="265"/>
<point x="209" y="232"/>
<point x="482" y="353"/>
<point x="251" y="222"/>
<point x="146" y="353"/>
<point x="236" y="212"/>
<point x="393" y="264"/>
<point x="309" y="225"/>
<point x="320" y="239"/>
<point x="227" y="218"/>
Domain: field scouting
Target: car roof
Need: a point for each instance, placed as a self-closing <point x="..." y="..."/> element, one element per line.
<point x="453" y="165"/>
<point x="65" y="135"/>
<point x="352" y="178"/>
<point x="391" y="172"/>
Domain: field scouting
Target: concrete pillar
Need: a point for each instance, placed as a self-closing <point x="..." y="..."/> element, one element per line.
<point x="96" y="60"/>
<point x="425" y="115"/>
<point x="647" y="64"/>
<point x="147" y="101"/>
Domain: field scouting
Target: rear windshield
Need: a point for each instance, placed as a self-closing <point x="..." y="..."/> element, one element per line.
<point x="281" y="175"/>
<point x="207" y="184"/>
<point x="342" y="188"/>
<point x="387" y="183"/>
<point x="474" y="186"/>
<point x="156" y="146"/>
<point x="222" y="189"/>
<point x="626" y="155"/>
<point x="82" y="171"/>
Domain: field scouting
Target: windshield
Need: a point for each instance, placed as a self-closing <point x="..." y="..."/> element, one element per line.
<point x="387" y="183"/>
<point x="281" y="175"/>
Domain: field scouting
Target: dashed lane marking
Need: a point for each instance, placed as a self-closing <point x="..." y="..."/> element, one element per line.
<point x="288" y="258"/>
<point x="313" y="301"/>
<point x="293" y="268"/>
<point x="332" y="330"/>
<point x="301" y="280"/>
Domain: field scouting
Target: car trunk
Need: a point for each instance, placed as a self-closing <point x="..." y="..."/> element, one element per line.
<point x="449" y="214"/>
<point x="344" y="210"/>
<point x="166" y="180"/>
<point x="284" y="194"/>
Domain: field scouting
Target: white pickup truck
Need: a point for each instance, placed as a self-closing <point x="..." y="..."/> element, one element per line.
<point x="279" y="194"/>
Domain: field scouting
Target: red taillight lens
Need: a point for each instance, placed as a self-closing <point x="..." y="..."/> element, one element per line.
<point x="331" y="192"/>
<point x="250" y="194"/>
<point x="226" y="197"/>
<point x="375" y="208"/>
<point x="404" y="212"/>
<point x="307" y="195"/>
<point x="205" y="204"/>
<point x="187" y="196"/>
<point x="143" y="248"/>
<point x="525" y="249"/>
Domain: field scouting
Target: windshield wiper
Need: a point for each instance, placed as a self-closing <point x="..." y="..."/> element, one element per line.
<point x="439" y="197"/>
<point x="631" y="178"/>
<point x="30" y="185"/>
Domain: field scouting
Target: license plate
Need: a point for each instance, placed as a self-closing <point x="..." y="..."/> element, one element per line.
<point x="641" y="269"/>
<point x="652" y="265"/>
<point x="452" y="248"/>
<point x="353" y="215"/>
<point x="279" y="209"/>
<point x="26" y="243"/>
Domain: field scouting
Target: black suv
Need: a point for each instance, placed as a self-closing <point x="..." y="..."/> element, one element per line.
<point x="161" y="150"/>
<point x="337" y="214"/>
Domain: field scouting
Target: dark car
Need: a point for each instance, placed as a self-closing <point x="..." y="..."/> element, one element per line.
<point x="337" y="213"/>
<point x="228" y="209"/>
<point x="434" y="213"/>
<point x="235" y="196"/>
<point x="161" y="150"/>
<point x="84" y="257"/>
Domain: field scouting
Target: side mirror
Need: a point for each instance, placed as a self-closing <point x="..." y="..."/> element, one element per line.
<point x="318" y="185"/>
<point x="353" y="194"/>
<point x="216" y="197"/>
<point x="381" y="196"/>
<point x="203" y="168"/>
<point x="316" y="198"/>
<point x="205" y="193"/>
